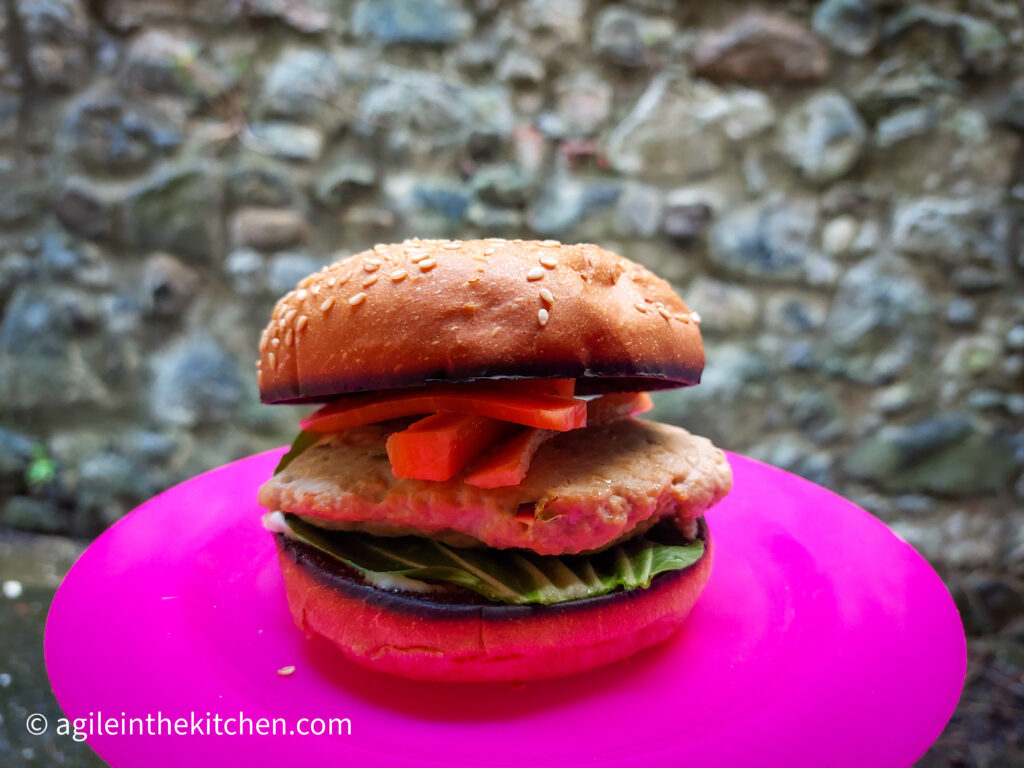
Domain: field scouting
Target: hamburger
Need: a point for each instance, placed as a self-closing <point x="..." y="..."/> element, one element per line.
<point x="475" y="498"/>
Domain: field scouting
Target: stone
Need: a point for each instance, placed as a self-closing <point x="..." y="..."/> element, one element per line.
<point x="850" y="26"/>
<point x="441" y="196"/>
<point x="818" y="414"/>
<point x="302" y="85"/>
<point x="502" y="185"/>
<point x="167" y="64"/>
<point x="970" y="357"/>
<point x="561" y="20"/>
<point x="1015" y="338"/>
<point x="623" y="36"/>
<point x="742" y="113"/>
<point x="288" y="140"/>
<point x="794" y="313"/>
<point x="950" y="231"/>
<point x="723" y="307"/>
<point x="961" y="312"/>
<point x="423" y="112"/>
<point x="762" y="47"/>
<point x="267" y="229"/>
<point x="88" y="210"/>
<point x="424" y="22"/>
<point x="26" y="513"/>
<point x="823" y="137"/>
<point x="520" y="68"/>
<point x="584" y="102"/>
<point x="638" y="210"/>
<point x="16" y="454"/>
<point x="259" y="184"/>
<point x="307" y="16"/>
<point x="109" y="135"/>
<point x="979" y="43"/>
<point x="195" y="382"/>
<point x="904" y="124"/>
<point x="949" y="455"/>
<point x="126" y="15"/>
<point x="663" y="136"/>
<point x="167" y="285"/>
<point x="247" y="271"/>
<point x="880" y="322"/>
<point x="838" y="235"/>
<point x="769" y="241"/>
<point x="1011" y="108"/>
<point x="494" y="220"/>
<point x="564" y="203"/>
<point x="344" y="181"/>
<point x="57" y="36"/>
<point x="286" y="269"/>
<point x="171" y="212"/>
<point x="686" y="216"/>
<point x="41" y="364"/>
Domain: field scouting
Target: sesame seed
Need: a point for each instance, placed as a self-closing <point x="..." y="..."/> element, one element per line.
<point x="549" y="243"/>
<point x="542" y="317"/>
<point x="290" y="314"/>
<point x="304" y="282"/>
<point x="331" y="282"/>
<point x="380" y="248"/>
<point x="370" y="266"/>
<point x="281" y="324"/>
<point x="301" y="324"/>
<point x="548" y="261"/>
<point x="289" y="338"/>
<point x="489" y="251"/>
<point x="418" y="257"/>
<point x="272" y="359"/>
<point x="275" y="342"/>
<point x="535" y="274"/>
<point x="301" y="295"/>
<point x="683" y="318"/>
<point x="285" y="671"/>
<point x="398" y="275"/>
<point x="328" y="303"/>
<point x="547" y="297"/>
<point x="369" y="281"/>
<point x="640" y="307"/>
<point x="427" y="264"/>
<point x="694" y="316"/>
<point x="358" y="299"/>
<point x="315" y="290"/>
<point x="664" y="312"/>
<point x="452" y="246"/>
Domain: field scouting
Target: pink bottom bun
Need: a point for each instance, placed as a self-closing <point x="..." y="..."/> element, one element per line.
<point x="425" y="639"/>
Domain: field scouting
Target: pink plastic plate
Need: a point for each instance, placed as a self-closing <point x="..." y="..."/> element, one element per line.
<point x="822" y="640"/>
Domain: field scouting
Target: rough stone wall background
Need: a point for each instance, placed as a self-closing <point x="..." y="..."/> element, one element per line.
<point x="837" y="188"/>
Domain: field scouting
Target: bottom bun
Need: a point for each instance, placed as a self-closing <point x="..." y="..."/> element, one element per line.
<point x="419" y="637"/>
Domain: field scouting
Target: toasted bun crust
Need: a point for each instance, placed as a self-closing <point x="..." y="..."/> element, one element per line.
<point x="460" y="642"/>
<point x="424" y="310"/>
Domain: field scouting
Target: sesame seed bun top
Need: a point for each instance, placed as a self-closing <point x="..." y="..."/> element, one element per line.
<point x="440" y="310"/>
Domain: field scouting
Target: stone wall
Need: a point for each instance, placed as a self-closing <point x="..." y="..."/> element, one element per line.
<point x="837" y="188"/>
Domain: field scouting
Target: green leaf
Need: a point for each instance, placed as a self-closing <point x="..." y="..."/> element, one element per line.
<point x="302" y="442"/>
<point x="506" y="575"/>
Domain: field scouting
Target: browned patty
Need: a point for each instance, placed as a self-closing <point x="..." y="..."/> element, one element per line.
<point x="585" y="489"/>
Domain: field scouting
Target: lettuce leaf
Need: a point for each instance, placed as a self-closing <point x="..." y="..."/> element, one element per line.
<point x="299" y="445"/>
<point x="507" y="575"/>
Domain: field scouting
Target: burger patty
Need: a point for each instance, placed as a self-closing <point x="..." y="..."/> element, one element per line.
<point x="585" y="490"/>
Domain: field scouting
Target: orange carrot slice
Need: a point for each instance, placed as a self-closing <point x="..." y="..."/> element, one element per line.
<point x="509" y="461"/>
<point x="437" y="447"/>
<point x="502" y="400"/>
